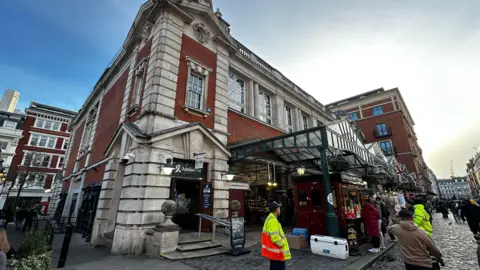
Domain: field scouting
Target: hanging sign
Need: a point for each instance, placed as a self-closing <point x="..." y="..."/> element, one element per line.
<point x="186" y="169"/>
<point x="351" y="178"/>
<point x="199" y="158"/>
<point x="206" y="195"/>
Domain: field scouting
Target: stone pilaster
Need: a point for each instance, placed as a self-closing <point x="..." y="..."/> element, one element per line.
<point x="104" y="202"/>
<point x="143" y="192"/>
<point x="221" y="187"/>
<point x="162" y="75"/>
<point x="221" y="95"/>
<point x="256" y="99"/>
<point x="250" y="106"/>
<point x="279" y="111"/>
<point x="298" y="119"/>
<point x="129" y="86"/>
<point x="68" y="201"/>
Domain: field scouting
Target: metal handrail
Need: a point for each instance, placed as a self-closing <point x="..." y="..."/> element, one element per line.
<point x="214" y="220"/>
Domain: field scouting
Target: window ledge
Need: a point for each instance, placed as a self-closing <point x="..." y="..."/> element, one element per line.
<point x="197" y="112"/>
<point x="132" y="110"/>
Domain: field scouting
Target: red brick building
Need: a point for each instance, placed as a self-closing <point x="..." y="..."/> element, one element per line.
<point x="383" y="117"/>
<point x="41" y="152"/>
<point x="182" y="85"/>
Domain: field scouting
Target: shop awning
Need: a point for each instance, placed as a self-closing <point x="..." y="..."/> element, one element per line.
<point x="338" y="138"/>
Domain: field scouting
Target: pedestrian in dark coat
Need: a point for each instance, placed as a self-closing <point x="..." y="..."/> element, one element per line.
<point x="471" y="211"/>
<point x="370" y="218"/>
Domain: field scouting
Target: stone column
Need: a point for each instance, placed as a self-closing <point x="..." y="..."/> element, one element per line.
<point x="298" y="119"/>
<point x="279" y="111"/>
<point x="312" y="122"/>
<point x="250" y="99"/>
<point x="68" y="200"/>
<point x="104" y="203"/>
<point x="256" y="98"/>
<point x="162" y="74"/>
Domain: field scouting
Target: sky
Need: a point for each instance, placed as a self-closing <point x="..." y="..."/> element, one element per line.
<point x="54" y="51"/>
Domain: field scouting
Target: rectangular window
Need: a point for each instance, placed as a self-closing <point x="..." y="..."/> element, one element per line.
<point x="36" y="160"/>
<point x="65" y="144"/>
<point x="288" y="117"/>
<point x="195" y="91"/>
<point x="305" y="121"/>
<point x="60" y="162"/>
<point x="387" y="148"/>
<point x="265" y="108"/>
<point x="10" y="124"/>
<point x="48" y="124"/>
<point x="46" y="161"/>
<point x="382" y="130"/>
<point x="137" y="89"/>
<point x="3" y="145"/>
<point x="377" y="110"/>
<point x="236" y="92"/>
<point x="43" y="141"/>
<point x="353" y="116"/>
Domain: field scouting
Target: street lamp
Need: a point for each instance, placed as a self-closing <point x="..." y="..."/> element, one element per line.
<point x="301" y="170"/>
<point x="167" y="169"/>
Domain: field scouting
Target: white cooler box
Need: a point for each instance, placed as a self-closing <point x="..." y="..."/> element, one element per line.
<point x="329" y="246"/>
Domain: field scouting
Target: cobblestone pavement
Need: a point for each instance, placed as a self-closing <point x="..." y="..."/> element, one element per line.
<point x="454" y="240"/>
<point x="301" y="260"/>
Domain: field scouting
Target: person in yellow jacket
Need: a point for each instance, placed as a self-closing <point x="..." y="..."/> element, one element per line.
<point x="274" y="244"/>
<point x="421" y="217"/>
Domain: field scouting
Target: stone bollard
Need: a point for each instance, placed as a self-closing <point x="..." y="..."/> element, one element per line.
<point x="164" y="237"/>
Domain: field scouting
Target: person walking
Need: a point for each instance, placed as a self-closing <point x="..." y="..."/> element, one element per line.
<point x="370" y="217"/>
<point x="421" y="217"/>
<point x="30" y="217"/>
<point x="415" y="245"/>
<point x="274" y="244"/>
<point x="383" y="219"/>
<point x="4" y="248"/>
<point x="471" y="211"/>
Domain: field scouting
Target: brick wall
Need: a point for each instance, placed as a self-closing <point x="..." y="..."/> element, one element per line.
<point x="108" y="118"/>
<point x="242" y="129"/>
<point x="95" y="175"/>
<point x="204" y="56"/>
<point x="74" y="149"/>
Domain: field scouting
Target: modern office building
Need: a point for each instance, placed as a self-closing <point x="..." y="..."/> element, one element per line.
<point x="9" y="100"/>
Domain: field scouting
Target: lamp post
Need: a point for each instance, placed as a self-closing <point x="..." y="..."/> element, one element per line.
<point x="332" y="219"/>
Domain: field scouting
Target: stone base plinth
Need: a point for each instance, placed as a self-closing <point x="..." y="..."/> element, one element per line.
<point x="129" y="240"/>
<point x="161" y="240"/>
<point x="98" y="228"/>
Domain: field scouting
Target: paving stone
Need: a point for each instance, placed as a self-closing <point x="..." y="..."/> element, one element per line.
<point x="455" y="241"/>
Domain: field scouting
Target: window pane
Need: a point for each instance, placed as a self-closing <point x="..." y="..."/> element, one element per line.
<point x="302" y="198"/>
<point x="65" y="145"/>
<point x="3" y="145"/>
<point x="46" y="161"/>
<point x="51" y="142"/>
<point x="48" y="124"/>
<point x="43" y="141"/>
<point x="56" y="126"/>
<point x="316" y="197"/>
<point x="39" y="123"/>
<point x="195" y="91"/>
<point x="34" y="140"/>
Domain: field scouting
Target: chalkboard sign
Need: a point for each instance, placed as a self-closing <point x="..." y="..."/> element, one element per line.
<point x="206" y="195"/>
<point x="237" y="231"/>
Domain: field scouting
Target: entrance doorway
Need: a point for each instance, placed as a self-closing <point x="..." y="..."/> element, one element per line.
<point x="187" y="195"/>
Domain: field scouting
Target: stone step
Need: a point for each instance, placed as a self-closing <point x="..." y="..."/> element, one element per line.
<point x="180" y="255"/>
<point x="193" y="241"/>
<point x="198" y="246"/>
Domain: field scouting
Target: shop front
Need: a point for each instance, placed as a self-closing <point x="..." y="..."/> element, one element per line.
<point x="322" y="172"/>
<point x="347" y="197"/>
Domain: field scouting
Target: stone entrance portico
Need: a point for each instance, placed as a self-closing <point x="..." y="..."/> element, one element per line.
<point x="134" y="189"/>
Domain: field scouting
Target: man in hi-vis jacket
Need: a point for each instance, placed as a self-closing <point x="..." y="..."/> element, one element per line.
<point x="274" y="244"/>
